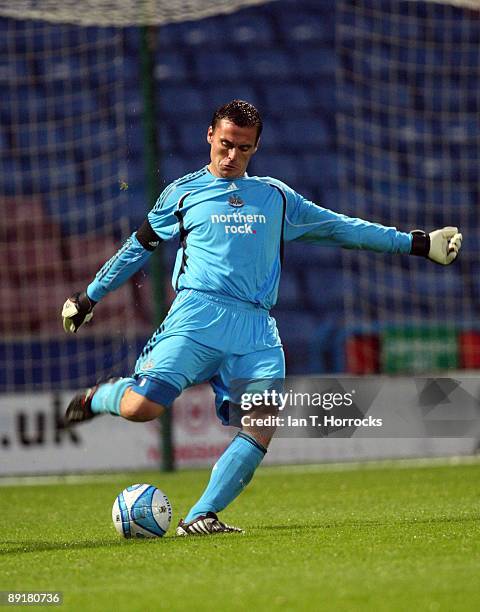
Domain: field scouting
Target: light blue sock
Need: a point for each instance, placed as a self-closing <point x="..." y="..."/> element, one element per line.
<point x="108" y="396"/>
<point x="230" y="475"/>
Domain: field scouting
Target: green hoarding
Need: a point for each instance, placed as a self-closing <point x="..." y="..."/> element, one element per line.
<point x="419" y="350"/>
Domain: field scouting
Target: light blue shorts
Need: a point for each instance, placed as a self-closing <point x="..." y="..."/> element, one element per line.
<point x="208" y="338"/>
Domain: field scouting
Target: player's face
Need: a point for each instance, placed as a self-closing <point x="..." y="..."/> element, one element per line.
<point x="231" y="148"/>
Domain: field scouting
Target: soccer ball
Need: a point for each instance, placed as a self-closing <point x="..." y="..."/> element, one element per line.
<point x="141" y="511"/>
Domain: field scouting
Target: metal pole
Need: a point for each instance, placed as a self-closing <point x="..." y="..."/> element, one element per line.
<point x="152" y="158"/>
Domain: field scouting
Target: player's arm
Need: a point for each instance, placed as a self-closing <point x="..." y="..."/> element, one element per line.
<point x="308" y="222"/>
<point x="159" y="225"/>
<point x="134" y="253"/>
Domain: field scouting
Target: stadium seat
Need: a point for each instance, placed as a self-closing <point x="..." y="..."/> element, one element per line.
<point x="22" y="211"/>
<point x="16" y="315"/>
<point x="170" y="65"/>
<point x="306" y="132"/>
<point x="192" y="137"/>
<point x="300" y="256"/>
<point x="281" y="166"/>
<point x="131" y="37"/>
<point x="95" y="137"/>
<point x="50" y="294"/>
<point x="303" y="27"/>
<point x="464" y="129"/>
<point x="299" y="98"/>
<point x="225" y="65"/>
<point x="77" y="212"/>
<point x="220" y="93"/>
<point x="134" y="108"/>
<point x="42" y="138"/>
<point x="348" y="202"/>
<point x="3" y="143"/>
<point x="12" y="70"/>
<point x="115" y="314"/>
<point x="296" y="328"/>
<point x="382" y="166"/>
<point x="289" y="295"/>
<point x="62" y="70"/>
<point x="87" y="254"/>
<point x="98" y="172"/>
<point x="176" y="101"/>
<point x="135" y="174"/>
<point x="175" y="166"/>
<point x="10" y="175"/>
<point x="271" y="139"/>
<point x="198" y="33"/>
<point x="253" y="29"/>
<point x="272" y="62"/>
<point x="323" y="93"/>
<point x="53" y="177"/>
<point x="324" y="289"/>
<point x="43" y="248"/>
<point x="135" y="140"/>
<point x="325" y="169"/>
<point x="316" y="61"/>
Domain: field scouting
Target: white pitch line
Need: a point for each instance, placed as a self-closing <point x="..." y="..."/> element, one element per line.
<point x="346" y="466"/>
<point x="351" y="466"/>
<point x="32" y="481"/>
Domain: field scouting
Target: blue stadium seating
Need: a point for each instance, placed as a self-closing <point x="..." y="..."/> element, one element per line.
<point x="280" y="56"/>
<point x="271" y="137"/>
<point x="171" y="65"/>
<point x="9" y="173"/>
<point x="303" y="27"/>
<point x="134" y="104"/>
<point x="175" y="166"/>
<point x="305" y="132"/>
<point x="179" y="101"/>
<point x="243" y="30"/>
<point x="192" y="137"/>
<point x="290" y="291"/>
<point x="277" y="165"/>
<point x="3" y="143"/>
<point x="299" y="99"/>
<point x="219" y="93"/>
<point x="12" y="70"/>
<point x="210" y="68"/>
<point x="325" y="169"/>
<point x="268" y="63"/>
<point x="135" y="142"/>
<point x="316" y="62"/>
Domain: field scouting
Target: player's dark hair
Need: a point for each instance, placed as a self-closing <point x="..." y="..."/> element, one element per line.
<point x="240" y="113"/>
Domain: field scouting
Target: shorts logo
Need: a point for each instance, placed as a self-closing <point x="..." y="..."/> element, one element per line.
<point x="236" y="201"/>
<point x="238" y="223"/>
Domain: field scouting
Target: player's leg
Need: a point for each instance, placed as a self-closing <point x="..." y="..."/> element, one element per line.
<point x="117" y="396"/>
<point x="166" y="366"/>
<point x="236" y="466"/>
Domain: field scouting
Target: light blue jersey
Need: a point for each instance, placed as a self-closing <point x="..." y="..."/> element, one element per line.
<point x="231" y="235"/>
<point x="232" y="232"/>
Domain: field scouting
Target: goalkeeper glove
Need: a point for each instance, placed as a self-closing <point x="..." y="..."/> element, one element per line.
<point x="441" y="246"/>
<point x="76" y="311"/>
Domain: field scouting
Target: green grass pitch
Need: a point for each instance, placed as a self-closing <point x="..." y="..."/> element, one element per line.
<point x="374" y="537"/>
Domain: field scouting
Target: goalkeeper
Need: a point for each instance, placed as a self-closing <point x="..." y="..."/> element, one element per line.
<point x="231" y="229"/>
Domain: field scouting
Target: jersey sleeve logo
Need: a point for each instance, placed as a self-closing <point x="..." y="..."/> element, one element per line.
<point x="235" y="201"/>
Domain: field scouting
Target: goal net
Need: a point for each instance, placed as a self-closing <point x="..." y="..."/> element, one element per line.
<point x="70" y="136"/>
<point x="409" y="138"/>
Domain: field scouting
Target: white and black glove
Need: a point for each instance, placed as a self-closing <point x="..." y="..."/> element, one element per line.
<point x="441" y="246"/>
<point x="76" y="311"/>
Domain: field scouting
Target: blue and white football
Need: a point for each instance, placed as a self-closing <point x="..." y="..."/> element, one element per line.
<point x="141" y="511"/>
